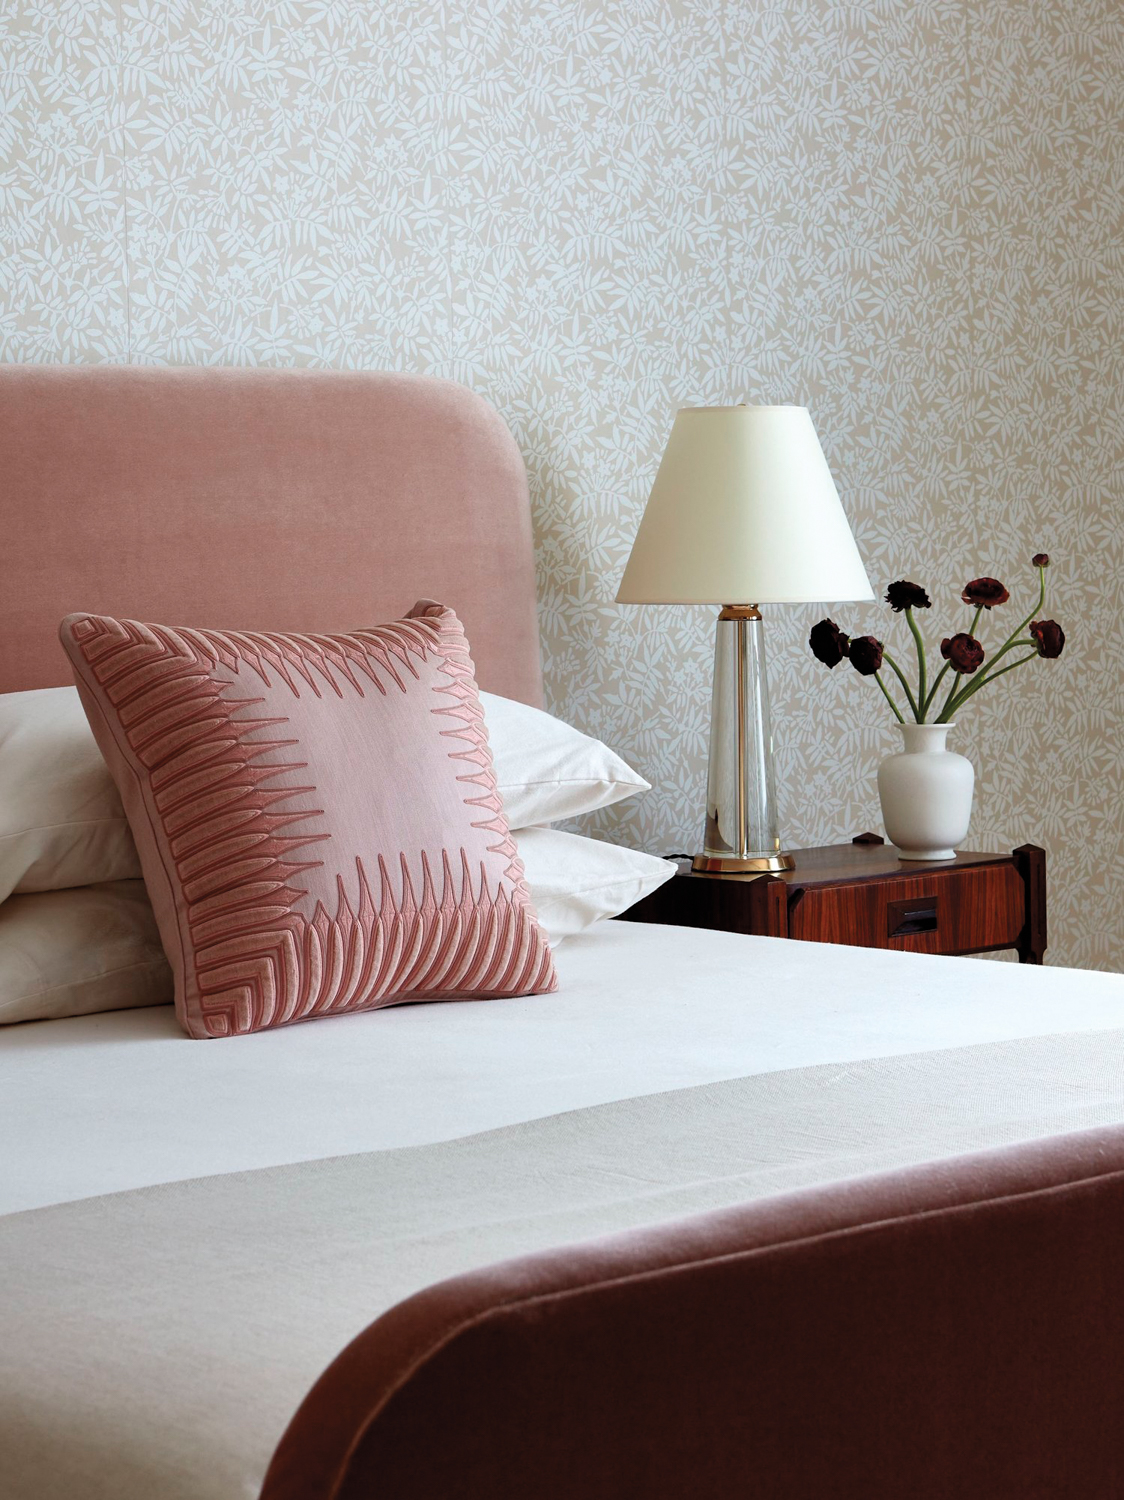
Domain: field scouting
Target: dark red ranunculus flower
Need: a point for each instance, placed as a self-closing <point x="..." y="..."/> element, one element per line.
<point x="984" y="593"/>
<point x="964" y="652"/>
<point x="1049" y="637"/>
<point x="905" y="595"/>
<point x="828" y="643"/>
<point x="866" y="655"/>
<point x="1040" y="560"/>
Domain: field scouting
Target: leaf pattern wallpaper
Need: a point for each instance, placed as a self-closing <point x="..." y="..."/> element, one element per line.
<point x="907" y="215"/>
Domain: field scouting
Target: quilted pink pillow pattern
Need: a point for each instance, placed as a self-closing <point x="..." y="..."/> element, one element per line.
<point x="317" y="816"/>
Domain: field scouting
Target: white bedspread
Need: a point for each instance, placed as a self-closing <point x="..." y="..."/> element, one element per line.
<point x="123" y="1100"/>
<point x="154" y="1344"/>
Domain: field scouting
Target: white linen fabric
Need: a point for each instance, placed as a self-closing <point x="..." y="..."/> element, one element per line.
<point x="577" y="881"/>
<point x="122" y="1100"/>
<point x="62" y="823"/>
<point x="546" y="770"/>
<point x="73" y="952"/>
<point x="156" y="1343"/>
<point x="61" y="820"/>
<point x="70" y="953"/>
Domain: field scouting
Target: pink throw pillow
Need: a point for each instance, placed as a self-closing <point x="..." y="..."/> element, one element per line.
<point x="316" y="815"/>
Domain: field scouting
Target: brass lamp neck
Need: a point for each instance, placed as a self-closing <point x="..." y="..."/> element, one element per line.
<point x="740" y="612"/>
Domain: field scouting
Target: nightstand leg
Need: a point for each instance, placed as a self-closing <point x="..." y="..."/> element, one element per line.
<point x="1030" y="861"/>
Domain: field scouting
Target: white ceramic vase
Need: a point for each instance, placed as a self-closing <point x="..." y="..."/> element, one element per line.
<point x="926" y="794"/>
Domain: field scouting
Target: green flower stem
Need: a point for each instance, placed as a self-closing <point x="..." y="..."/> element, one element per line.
<point x="886" y="657"/>
<point x="958" y="694"/>
<point x="933" y="690"/>
<point x="942" y="717"/>
<point x="1041" y="601"/>
<point x="980" y="682"/>
<point x="921" y="673"/>
<point x="1013" y="639"/>
<point x="889" y="700"/>
<point x="1019" y="640"/>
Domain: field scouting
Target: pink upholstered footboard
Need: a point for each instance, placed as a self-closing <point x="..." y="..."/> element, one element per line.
<point x="954" y="1330"/>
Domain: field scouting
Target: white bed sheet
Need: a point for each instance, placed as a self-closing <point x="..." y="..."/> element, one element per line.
<point x="121" y="1100"/>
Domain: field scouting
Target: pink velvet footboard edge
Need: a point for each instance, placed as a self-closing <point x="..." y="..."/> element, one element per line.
<point x="950" y="1330"/>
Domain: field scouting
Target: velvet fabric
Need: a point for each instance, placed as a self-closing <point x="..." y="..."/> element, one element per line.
<point x="952" y="1329"/>
<point x="317" y="816"/>
<point x="259" y="500"/>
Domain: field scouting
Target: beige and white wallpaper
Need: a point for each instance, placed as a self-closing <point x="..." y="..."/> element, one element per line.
<point x="906" y="214"/>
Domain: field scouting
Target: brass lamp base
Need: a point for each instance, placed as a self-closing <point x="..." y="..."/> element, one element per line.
<point x="761" y="864"/>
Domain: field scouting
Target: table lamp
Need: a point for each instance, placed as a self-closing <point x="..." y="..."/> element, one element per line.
<point x="743" y="509"/>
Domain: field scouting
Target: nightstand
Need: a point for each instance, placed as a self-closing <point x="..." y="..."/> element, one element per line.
<point x="863" y="895"/>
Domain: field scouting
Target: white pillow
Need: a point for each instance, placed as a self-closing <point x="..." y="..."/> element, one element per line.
<point x="546" y="770"/>
<point x="577" y="881"/>
<point x="62" y="823"/>
<point x="71" y="953"/>
<point x="61" y="820"/>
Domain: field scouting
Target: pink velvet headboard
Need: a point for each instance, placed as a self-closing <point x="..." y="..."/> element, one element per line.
<point x="258" y="499"/>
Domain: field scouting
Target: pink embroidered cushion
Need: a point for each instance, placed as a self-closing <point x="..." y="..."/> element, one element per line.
<point x="317" y="816"/>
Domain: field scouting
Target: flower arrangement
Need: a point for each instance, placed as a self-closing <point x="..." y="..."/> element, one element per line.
<point x="963" y="654"/>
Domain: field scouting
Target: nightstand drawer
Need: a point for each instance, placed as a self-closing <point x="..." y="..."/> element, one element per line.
<point x="954" y="911"/>
<point x="864" y="895"/>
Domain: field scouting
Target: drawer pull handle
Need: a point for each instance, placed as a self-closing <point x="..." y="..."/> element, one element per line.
<point x="904" y="918"/>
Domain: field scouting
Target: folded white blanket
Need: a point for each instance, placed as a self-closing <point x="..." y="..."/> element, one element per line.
<point x="156" y="1342"/>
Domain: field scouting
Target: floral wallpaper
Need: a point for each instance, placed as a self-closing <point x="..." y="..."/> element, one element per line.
<point x="907" y="215"/>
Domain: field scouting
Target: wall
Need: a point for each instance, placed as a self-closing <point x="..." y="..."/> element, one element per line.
<point x="908" y="216"/>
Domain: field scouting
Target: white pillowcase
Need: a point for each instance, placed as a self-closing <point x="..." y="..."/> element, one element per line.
<point x="577" y="881"/>
<point x="62" y="823"/>
<point x="71" y="953"/>
<point x="61" y="820"/>
<point x="546" y="770"/>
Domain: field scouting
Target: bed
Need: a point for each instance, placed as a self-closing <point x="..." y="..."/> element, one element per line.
<point x="722" y="1216"/>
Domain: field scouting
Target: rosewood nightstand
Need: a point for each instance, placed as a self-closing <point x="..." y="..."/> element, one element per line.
<point x="862" y="894"/>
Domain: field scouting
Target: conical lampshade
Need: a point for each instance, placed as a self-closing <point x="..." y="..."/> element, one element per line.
<point x="743" y="511"/>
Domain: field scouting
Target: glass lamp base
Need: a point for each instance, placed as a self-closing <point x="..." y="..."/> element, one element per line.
<point x="741" y="810"/>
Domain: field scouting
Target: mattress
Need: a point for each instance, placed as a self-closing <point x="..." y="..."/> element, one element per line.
<point x="121" y="1100"/>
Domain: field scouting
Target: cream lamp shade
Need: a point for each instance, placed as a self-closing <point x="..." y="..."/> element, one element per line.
<point x="743" y="511"/>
